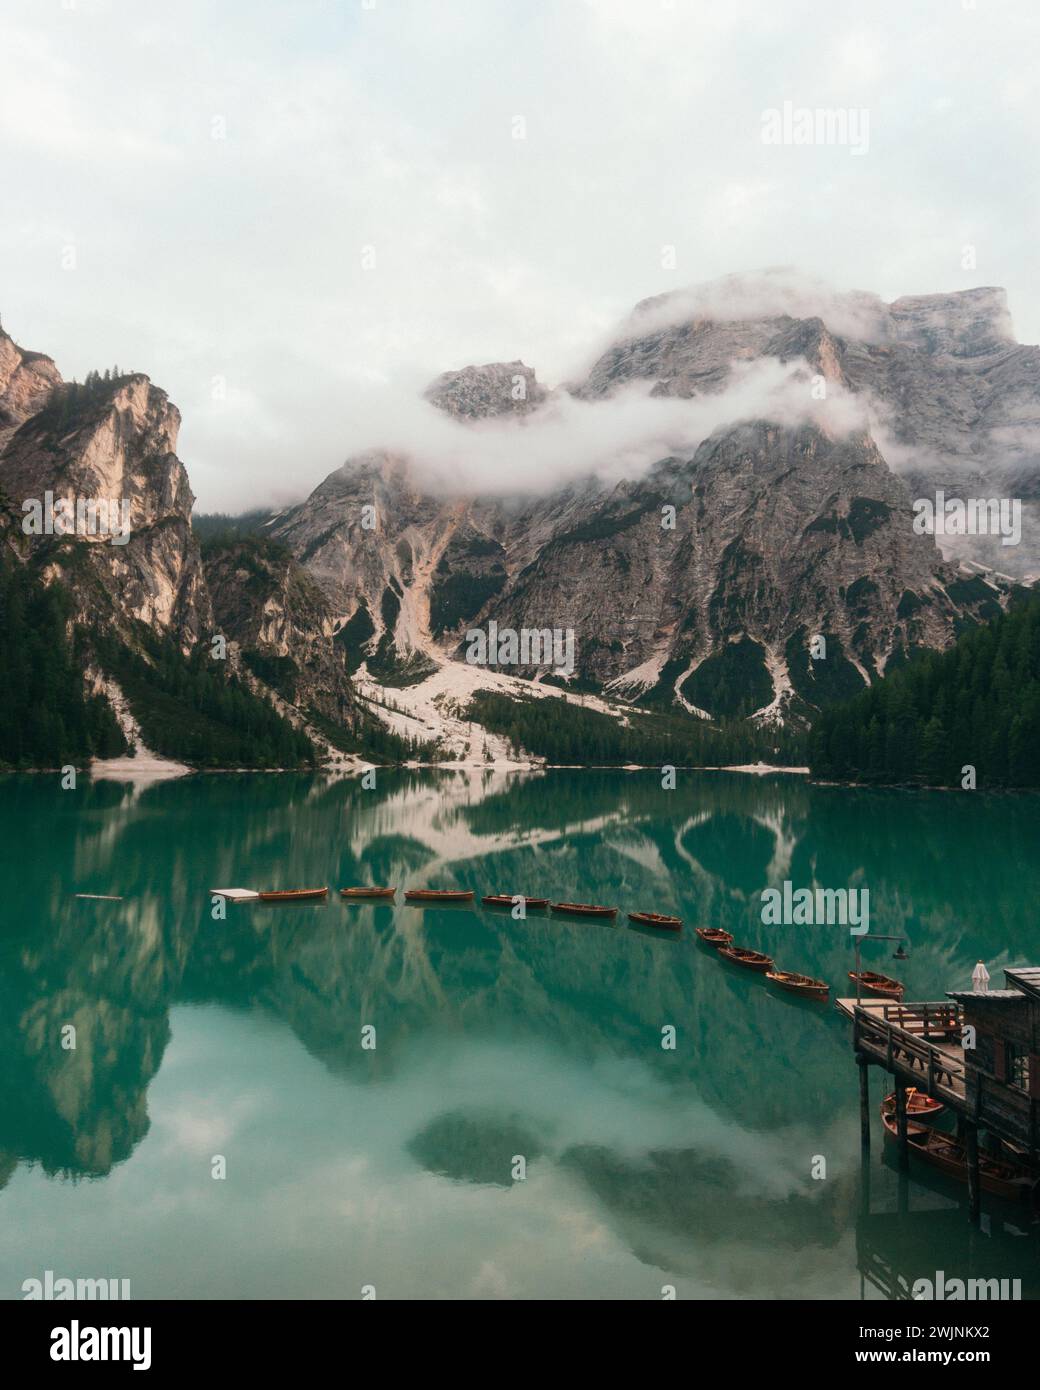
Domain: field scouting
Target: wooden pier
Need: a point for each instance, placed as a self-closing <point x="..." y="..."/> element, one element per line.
<point x="956" y="1050"/>
<point x="920" y="1044"/>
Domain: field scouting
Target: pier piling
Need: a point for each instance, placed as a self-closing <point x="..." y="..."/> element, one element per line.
<point x="864" y="1100"/>
<point x="901" y="1132"/>
<point x="971" y="1154"/>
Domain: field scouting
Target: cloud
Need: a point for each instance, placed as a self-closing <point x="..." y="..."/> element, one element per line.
<point x="568" y="439"/>
<point x="767" y="294"/>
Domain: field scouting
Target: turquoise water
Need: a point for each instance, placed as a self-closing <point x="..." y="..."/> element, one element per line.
<point x="393" y="1166"/>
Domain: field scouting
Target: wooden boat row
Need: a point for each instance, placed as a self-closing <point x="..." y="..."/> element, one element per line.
<point x="873" y="983"/>
<point x="430" y="895"/>
<point x="413" y="895"/>
<point x="369" y="893"/>
<point x="942" y="1151"/>
<point x="750" y="960"/>
<point x="648" y="919"/>
<point x="917" y="1103"/>
<point x="803" y="985"/>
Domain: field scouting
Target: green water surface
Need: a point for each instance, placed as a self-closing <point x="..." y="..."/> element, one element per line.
<point x="500" y="1046"/>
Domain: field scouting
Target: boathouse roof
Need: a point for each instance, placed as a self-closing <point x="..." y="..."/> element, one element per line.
<point x="1027" y="979"/>
<point x="999" y="996"/>
<point x="1024" y="980"/>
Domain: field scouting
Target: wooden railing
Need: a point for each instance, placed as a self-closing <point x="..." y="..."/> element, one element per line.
<point x="900" y="1036"/>
<point x="941" y="1021"/>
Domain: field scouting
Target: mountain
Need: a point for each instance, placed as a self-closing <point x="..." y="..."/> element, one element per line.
<point x="111" y="441"/>
<point x="788" y="527"/>
<point x="780" y="534"/>
<point x="955" y="399"/>
<point x="729" y="535"/>
<point x="114" y="589"/>
<point x="477" y="393"/>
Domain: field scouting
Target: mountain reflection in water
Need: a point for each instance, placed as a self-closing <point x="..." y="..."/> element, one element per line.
<point x="495" y="1039"/>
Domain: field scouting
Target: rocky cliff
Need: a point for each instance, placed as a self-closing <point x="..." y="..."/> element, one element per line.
<point x="954" y="400"/>
<point x="283" y="624"/>
<point x="94" y="499"/>
<point x="27" y="380"/>
<point x="110" y="444"/>
<point x="495" y="389"/>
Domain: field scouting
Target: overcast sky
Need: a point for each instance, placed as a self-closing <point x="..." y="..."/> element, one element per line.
<point x="227" y="173"/>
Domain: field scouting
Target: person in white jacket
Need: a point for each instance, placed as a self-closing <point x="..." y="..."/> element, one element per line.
<point x="980" y="978"/>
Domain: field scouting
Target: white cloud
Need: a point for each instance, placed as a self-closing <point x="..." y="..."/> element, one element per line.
<point x="569" y="439"/>
<point x="769" y="294"/>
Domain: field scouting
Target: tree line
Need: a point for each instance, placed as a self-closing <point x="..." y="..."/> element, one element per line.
<point x="194" y="710"/>
<point x="563" y="732"/>
<point x="47" y="719"/>
<point x="69" y="401"/>
<point x="968" y="716"/>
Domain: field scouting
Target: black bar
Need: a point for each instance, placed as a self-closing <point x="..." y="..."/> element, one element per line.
<point x="314" y="1338"/>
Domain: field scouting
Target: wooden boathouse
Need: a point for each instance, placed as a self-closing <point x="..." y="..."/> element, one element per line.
<point x="976" y="1051"/>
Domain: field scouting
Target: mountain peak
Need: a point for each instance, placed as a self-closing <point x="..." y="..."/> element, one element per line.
<point x="494" y="388"/>
<point x="958" y="323"/>
<point x="26" y="381"/>
<point x="964" y="323"/>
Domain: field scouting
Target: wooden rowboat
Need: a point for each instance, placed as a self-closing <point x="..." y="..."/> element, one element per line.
<point x="873" y="983"/>
<point x="367" y="892"/>
<point x="947" y="1154"/>
<point x="584" y="909"/>
<point x="655" y="919"/>
<point x="439" y="895"/>
<point x="917" y="1103"/>
<point x="804" y="985"/>
<point x="715" y="936"/>
<point x="293" y="895"/>
<point x="750" y="960"/>
<point x="507" y="900"/>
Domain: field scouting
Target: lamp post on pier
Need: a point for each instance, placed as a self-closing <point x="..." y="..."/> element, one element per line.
<point x="897" y="954"/>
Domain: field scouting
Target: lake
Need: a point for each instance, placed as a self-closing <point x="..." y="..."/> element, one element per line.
<point x="502" y="1047"/>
